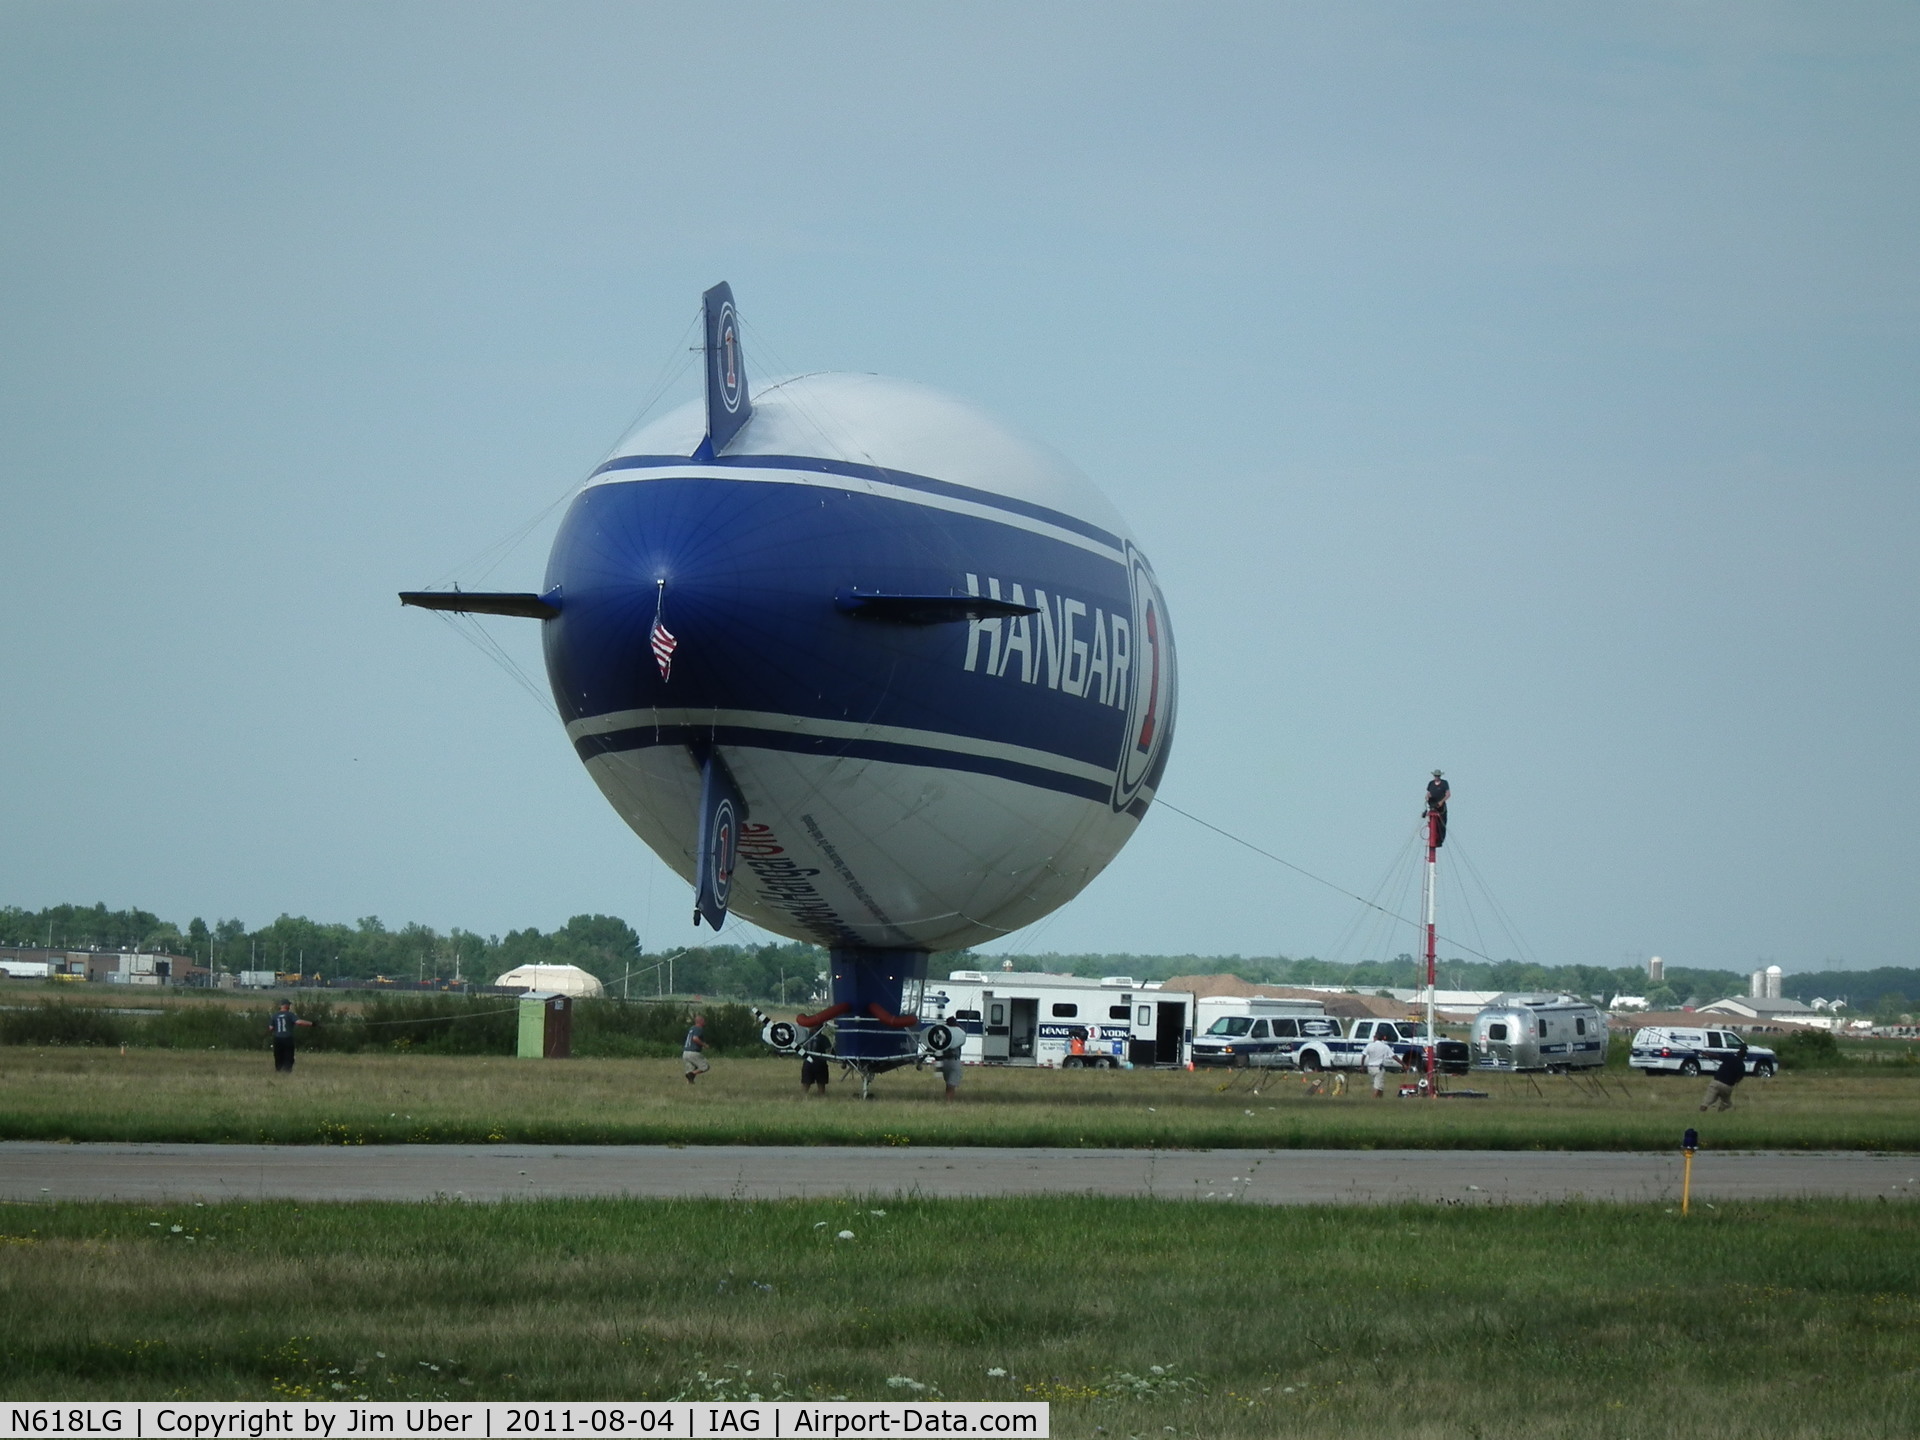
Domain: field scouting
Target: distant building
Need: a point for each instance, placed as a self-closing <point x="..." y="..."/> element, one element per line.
<point x="1656" y="971"/>
<point x="1345" y="1004"/>
<point x="564" y="979"/>
<point x="1631" y="1020"/>
<point x="114" y="967"/>
<point x="1760" y="1007"/>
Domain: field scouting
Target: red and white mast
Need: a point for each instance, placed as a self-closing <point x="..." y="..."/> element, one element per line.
<point x="1436" y="818"/>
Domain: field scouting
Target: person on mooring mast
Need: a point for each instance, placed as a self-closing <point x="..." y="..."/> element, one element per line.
<point x="1438" y="792"/>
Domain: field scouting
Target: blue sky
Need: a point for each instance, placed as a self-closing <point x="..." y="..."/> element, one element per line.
<point x="1526" y="391"/>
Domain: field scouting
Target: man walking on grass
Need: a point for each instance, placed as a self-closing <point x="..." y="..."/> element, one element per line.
<point x="1376" y="1057"/>
<point x="949" y="1065"/>
<point x="1732" y="1071"/>
<point x="280" y="1025"/>
<point x="696" y="1041"/>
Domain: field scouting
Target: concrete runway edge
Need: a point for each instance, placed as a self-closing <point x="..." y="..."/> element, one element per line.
<point x="32" y="1171"/>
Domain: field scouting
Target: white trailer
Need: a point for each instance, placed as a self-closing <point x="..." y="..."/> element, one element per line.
<point x="1027" y="1018"/>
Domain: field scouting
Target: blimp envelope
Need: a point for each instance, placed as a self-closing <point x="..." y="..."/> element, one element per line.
<point x="923" y="658"/>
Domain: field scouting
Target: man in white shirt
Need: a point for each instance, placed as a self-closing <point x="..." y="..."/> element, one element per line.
<point x="1376" y="1057"/>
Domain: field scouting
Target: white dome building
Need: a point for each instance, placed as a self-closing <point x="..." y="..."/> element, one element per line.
<point x="562" y="979"/>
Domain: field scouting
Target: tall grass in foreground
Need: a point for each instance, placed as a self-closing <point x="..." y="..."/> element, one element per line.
<point x="224" y="1096"/>
<point x="1782" y="1319"/>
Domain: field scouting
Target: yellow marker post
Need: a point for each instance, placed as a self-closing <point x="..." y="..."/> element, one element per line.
<point x="1688" y="1145"/>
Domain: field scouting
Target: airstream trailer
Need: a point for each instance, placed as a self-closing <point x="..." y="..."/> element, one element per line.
<point x="1539" y="1032"/>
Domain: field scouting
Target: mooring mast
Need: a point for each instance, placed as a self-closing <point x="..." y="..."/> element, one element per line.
<point x="1438" y="793"/>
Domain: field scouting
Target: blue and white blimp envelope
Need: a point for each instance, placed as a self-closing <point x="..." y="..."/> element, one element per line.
<point x="860" y="665"/>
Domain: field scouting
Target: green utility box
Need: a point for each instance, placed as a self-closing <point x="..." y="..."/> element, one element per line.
<point x="546" y="1026"/>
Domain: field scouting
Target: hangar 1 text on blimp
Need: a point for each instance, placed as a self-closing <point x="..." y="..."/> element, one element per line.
<point x="860" y="665"/>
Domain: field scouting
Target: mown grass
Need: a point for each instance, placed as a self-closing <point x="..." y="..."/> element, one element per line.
<point x="225" y="1096"/>
<point x="1782" y="1319"/>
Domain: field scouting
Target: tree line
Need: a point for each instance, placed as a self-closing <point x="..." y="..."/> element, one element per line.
<point x="608" y="947"/>
<point x="603" y="945"/>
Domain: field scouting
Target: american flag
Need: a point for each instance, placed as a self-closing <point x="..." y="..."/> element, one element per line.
<point x="663" y="643"/>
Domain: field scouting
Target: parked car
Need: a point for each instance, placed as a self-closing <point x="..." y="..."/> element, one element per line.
<point x="1684" y="1050"/>
<point x="1267" y="1040"/>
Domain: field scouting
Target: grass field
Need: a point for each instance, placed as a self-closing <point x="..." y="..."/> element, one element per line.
<point x="83" y="1093"/>
<point x="1783" y="1320"/>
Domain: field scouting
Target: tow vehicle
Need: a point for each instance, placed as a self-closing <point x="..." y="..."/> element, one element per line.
<point x="1683" y="1050"/>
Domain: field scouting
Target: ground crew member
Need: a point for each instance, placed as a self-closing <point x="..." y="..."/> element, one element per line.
<point x="1376" y="1057"/>
<point x="949" y="1066"/>
<point x="1438" y="793"/>
<point x="697" y="1064"/>
<point x="280" y="1025"/>
<point x="1732" y="1071"/>
<point x="813" y="1065"/>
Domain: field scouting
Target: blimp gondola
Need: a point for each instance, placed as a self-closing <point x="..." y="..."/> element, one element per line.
<point x="859" y="664"/>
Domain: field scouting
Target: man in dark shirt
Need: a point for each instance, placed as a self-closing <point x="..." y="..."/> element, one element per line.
<point x="1732" y="1071"/>
<point x="814" y="1070"/>
<point x="1438" y="793"/>
<point x="280" y="1025"/>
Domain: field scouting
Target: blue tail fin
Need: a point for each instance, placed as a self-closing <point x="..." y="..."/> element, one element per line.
<point x="727" y="404"/>
<point x="721" y="813"/>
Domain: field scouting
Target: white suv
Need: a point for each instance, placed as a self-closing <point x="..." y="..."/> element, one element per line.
<point x="1686" y="1051"/>
<point x="1258" y="1040"/>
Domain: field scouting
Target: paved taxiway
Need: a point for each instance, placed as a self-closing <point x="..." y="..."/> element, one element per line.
<point x="34" y="1171"/>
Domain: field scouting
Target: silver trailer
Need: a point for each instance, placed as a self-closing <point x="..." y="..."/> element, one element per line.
<point x="1539" y="1032"/>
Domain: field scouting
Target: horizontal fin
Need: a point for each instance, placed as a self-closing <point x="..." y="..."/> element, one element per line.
<point x="927" y="609"/>
<point x="482" y="602"/>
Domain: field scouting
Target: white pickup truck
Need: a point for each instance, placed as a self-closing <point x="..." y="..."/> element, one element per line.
<point x="1408" y="1038"/>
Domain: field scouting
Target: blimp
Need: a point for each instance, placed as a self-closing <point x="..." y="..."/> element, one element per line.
<point x="861" y="665"/>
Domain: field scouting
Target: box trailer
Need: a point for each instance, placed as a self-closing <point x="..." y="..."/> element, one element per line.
<point x="1069" y="1021"/>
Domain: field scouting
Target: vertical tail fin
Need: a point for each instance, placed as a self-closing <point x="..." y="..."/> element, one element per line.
<point x="721" y="813"/>
<point x="727" y="404"/>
